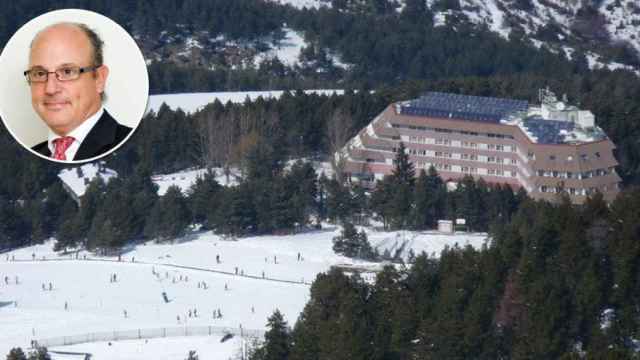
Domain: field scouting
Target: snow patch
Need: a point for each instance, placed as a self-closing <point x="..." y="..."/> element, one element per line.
<point x="185" y="179"/>
<point x="299" y="4"/>
<point x="78" y="178"/>
<point x="287" y="50"/>
<point x="192" y="102"/>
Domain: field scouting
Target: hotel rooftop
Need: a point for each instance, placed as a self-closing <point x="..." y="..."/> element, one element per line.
<point x="548" y="148"/>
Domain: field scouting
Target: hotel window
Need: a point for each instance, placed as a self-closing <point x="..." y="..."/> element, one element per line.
<point x="474" y="145"/>
<point x="465" y="144"/>
<point x="500" y="160"/>
<point x="447" y="142"/>
<point x="512" y="148"/>
<point x="473" y="157"/>
<point x="500" y="172"/>
<point x="540" y="172"/>
<point x="464" y="156"/>
<point x="554" y="174"/>
<point x="572" y="191"/>
<point x="465" y="169"/>
<point x="491" y="159"/>
<point x="491" y="147"/>
<point x="543" y="188"/>
<point x="439" y="141"/>
<point x="447" y="155"/>
<point x="500" y="147"/>
<point x="513" y="162"/>
<point x="569" y="175"/>
<point x="438" y="153"/>
<point x="491" y="171"/>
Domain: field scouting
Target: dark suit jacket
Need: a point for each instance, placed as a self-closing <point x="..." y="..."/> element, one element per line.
<point x="104" y="136"/>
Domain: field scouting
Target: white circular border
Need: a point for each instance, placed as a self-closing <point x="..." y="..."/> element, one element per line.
<point x="127" y="86"/>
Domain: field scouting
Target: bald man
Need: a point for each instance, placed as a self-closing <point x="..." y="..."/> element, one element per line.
<point x="67" y="79"/>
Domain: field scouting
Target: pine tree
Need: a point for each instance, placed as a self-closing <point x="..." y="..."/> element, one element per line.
<point x="403" y="172"/>
<point x="175" y="213"/>
<point x="381" y="199"/>
<point x="40" y="353"/>
<point x="204" y="199"/>
<point x="277" y="339"/>
<point x="16" y="354"/>
<point x="354" y="244"/>
<point x="69" y="233"/>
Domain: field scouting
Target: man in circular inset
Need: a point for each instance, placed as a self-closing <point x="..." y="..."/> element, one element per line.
<point x="67" y="78"/>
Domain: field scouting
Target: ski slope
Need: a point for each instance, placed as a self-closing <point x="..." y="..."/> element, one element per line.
<point x="29" y="310"/>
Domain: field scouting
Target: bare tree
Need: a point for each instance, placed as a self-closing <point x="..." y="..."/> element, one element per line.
<point x="217" y="136"/>
<point x="338" y="130"/>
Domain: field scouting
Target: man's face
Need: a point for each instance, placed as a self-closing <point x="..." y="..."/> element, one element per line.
<point x="64" y="105"/>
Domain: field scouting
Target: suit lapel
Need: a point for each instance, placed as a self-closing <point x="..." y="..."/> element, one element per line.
<point x="99" y="139"/>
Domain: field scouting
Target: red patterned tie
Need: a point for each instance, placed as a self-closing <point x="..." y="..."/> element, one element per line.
<point x="62" y="144"/>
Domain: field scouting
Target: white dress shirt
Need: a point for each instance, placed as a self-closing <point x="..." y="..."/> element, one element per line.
<point x="78" y="134"/>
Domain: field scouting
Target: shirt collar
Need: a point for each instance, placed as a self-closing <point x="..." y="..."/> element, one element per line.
<point x="78" y="133"/>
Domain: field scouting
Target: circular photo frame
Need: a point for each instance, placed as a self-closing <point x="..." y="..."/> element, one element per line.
<point x="126" y="87"/>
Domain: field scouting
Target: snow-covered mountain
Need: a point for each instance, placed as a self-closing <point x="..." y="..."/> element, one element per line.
<point x="606" y="31"/>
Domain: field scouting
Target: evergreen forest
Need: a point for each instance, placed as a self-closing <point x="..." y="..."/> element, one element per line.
<point x="556" y="281"/>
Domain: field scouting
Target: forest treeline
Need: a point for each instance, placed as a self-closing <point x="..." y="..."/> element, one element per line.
<point x="386" y="48"/>
<point x="553" y="282"/>
<point x="260" y="138"/>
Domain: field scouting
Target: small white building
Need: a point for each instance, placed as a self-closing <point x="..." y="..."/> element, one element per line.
<point x="445" y="226"/>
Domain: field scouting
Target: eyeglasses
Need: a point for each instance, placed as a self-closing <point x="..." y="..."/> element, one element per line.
<point x="65" y="73"/>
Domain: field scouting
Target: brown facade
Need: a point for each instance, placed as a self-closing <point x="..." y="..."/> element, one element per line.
<point x="496" y="152"/>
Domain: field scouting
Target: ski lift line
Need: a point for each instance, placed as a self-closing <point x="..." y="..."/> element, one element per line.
<point x="174" y="266"/>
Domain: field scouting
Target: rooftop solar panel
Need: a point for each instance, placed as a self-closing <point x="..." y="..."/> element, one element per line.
<point x="463" y="107"/>
<point x="548" y="131"/>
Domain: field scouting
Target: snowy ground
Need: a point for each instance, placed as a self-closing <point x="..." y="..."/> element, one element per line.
<point x="185" y="179"/>
<point x="192" y="102"/>
<point x="287" y="51"/>
<point x="206" y="347"/>
<point x="309" y="4"/>
<point x="95" y="304"/>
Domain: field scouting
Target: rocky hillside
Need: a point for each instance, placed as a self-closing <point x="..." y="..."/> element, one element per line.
<point x="606" y="31"/>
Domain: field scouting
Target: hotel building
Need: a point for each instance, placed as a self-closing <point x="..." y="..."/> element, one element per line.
<point x="545" y="149"/>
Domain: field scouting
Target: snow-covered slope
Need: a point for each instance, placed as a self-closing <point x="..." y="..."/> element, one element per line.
<point x="557" y="23"/>
<point x="29" y="310"/>
<point x="77" y="179"/>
